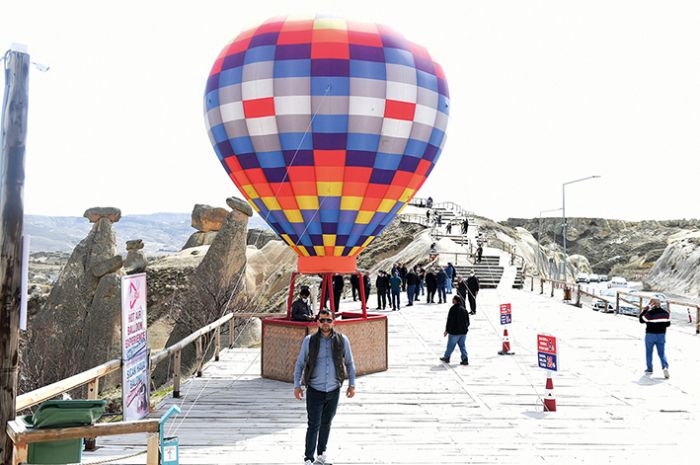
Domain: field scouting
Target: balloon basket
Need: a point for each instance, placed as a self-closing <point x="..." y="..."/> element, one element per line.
<point x="282" y="338"/>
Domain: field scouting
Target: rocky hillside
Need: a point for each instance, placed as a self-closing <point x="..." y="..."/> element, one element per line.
<point x="611" y="246"/>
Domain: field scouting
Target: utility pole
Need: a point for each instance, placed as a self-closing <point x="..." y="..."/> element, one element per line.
<point x="12" y="141"/>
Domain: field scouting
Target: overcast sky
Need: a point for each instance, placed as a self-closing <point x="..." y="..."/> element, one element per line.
<point x="542" y="92"/>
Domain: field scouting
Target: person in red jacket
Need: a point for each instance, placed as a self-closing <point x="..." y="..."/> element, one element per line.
<point x="657" y="320"/>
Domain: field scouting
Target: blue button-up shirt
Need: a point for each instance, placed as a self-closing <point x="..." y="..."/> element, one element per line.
<point x="323" y="378"/>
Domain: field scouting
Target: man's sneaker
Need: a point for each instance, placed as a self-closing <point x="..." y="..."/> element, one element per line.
<point x="446" y="360"/>
<point x="464" y="362"/>
<point x="648" y="372"/>
<point x="322" y="460"/>
<point x="308" y="462"/>
<point x="666" y="374"/>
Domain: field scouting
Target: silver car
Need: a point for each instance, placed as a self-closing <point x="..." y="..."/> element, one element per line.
<point x="609" y="305"/>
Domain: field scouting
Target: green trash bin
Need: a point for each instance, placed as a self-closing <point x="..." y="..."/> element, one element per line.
<point x="61" y="414"/>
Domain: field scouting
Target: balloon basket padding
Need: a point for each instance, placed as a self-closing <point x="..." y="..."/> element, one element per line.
<point x="282" y="338"/>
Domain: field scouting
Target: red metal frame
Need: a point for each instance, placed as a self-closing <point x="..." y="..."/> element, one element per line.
<point x="327" y="282"/>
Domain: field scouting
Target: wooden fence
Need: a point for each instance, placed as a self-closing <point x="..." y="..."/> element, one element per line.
<point x="635" y="299"/>
<point x="92" y="377"/>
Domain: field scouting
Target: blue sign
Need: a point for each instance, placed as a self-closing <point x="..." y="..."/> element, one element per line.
<point x="547" y="361"/>
<point x="506" y="319"/>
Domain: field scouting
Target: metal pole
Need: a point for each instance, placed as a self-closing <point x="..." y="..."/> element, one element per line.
<point x="563" y="213"/>
<point x="14" y="136"/>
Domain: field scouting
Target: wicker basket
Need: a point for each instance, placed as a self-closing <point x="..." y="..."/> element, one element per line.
<point x="282" y="338"/>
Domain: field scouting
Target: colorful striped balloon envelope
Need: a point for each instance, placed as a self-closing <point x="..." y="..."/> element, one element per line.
<point x="328" y="128"/>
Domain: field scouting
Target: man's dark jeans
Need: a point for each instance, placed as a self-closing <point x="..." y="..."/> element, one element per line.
<point x="320" y="409"/>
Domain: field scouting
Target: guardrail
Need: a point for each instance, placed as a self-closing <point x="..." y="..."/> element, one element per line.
<point x="569" y="286"/>
<point x="418" y="219"/>
<point x="92" y="377"/>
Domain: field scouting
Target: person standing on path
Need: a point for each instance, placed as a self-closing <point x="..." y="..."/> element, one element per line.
<point x="479" y="252"/>
<point x="456" y="330"/>
<point x="657" y="320"/>
<point x="431" y="284"/>
<point x="448" y="228"/>
<point x="301" y="311"/>
<point x="381" y="291"/>
<point x="411" y="286"/>
<point x="338" y="285"/>
<point x="395" y="283"/>
<point x="465" y="226"/>
<point x="472" y="291"/>
<point x="355" y="283"/>
<point x="450" y="271"/>
<point x="441" y="285"/>
<point x="462" y="288"/>
<point x="403" y="272"/>
<point x="323" y="362"/>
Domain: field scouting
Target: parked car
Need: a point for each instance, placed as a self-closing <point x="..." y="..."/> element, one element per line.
<point x="603" y="277"/>
<point x="582" y="278"/>
<point x="593" y="278"/>
<point x="609" y="305"/>
<point x="617" y="282"/>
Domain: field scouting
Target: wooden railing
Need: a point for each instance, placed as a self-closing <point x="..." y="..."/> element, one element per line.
<point x="619" y="295"/>
<point x="418" y="219"/>
<point x="92" y="377"/>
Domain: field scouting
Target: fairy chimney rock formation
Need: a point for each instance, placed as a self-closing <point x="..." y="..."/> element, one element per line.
<point x="135" y="259"/>
<point x="207" y="220"/>
<point x="96" y="213"/>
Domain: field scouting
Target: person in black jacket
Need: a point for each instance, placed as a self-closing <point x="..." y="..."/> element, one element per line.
<point x="403" y="272"/>
<point x="473" y="290"/>
<point x="368" y="285"/>
<point x="431" y="284"/>
<point x="381" y="286"/>
<point x="657" y="320"/>
<point x="411" y="285"/>
<point x="441" y="285"/>
<point x="301" y="311"/>
<point x="456" y="330"/>
<point x="338" y="284"/>
<point x="355" y="283"/>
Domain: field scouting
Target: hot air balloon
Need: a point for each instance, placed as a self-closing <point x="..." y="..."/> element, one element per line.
<point x="328" y="128"/>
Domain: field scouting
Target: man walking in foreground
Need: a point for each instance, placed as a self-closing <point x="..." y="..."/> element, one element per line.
<point x="322" y="363"/>
<point x="456" y="330"/>
<point x="657" y="320"/>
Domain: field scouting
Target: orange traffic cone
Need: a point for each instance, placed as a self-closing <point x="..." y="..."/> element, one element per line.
<point x="506" y="344"/>
<point x="550" y="402"/>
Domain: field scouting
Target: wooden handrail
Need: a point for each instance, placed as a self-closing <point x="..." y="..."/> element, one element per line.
<point x="21" y="436"/>
<point x="49" y="391"/>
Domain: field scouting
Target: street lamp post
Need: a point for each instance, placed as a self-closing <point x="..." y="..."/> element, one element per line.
<point x="563" y="213"/>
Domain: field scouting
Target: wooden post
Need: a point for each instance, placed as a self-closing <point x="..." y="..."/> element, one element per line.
<point x="13" y="138"/>
<point x="578" y="295"/>
<point x="92" y="391"/>
<point x="697" y="320"/>
<point x="152" y="449"/>
<point x="617" y="302"/>
<point x="552" y="294"/>
<point x="640" y="304"/>
<point x="541" y="286"/>
<point x="176" y="374"/>
<point x="217" y="343"/>
<point x="199" y="358"/>
<point x="532" y="283"/>
<point x="231" y="328"/>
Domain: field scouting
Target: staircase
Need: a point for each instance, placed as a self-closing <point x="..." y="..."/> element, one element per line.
<point x="519" y="279"/>
<point x="488" y="271"/>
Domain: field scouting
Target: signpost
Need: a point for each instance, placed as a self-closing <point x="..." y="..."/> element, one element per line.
<point x="506" y="319"/>
<point x="547" y="359"/>
<point x="506" y="314"/>
<point x="547" y="352"/>
<point x="135" y="371"/>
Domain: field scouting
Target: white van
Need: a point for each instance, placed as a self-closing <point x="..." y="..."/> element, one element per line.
<point x="617" y="281"/>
